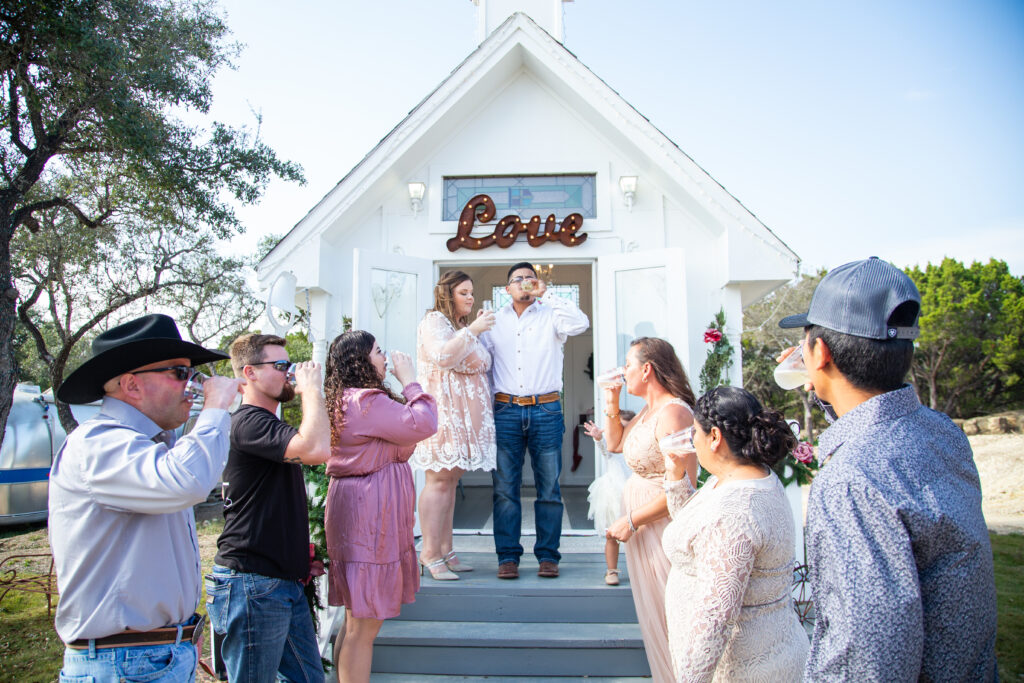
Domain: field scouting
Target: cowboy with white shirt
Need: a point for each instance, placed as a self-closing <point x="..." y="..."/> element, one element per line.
<point x="526" y="344"/>
<point x="121" y="494"/>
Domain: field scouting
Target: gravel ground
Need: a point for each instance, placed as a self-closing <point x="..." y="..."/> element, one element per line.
<point x="1000" y="460"/>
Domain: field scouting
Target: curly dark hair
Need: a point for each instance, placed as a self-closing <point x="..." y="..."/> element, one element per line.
<point x="666" y="366"/>
<point x="348" y="366"/>
<point x="753" y="433"/>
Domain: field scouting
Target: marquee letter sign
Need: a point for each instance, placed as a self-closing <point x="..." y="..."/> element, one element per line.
<point x="510" y="227"/>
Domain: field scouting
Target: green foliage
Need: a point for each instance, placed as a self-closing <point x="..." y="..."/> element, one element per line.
<point x="299" y="349"/>
<point x="762" y="342"/>
<point x="75" y="279"/>
<point x="101" y="113"/>
<point x="969" y="358"/>
<point x="716" y="366"/>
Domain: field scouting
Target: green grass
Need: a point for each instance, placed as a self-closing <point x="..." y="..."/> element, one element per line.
<point x="1008" y="553"/>
<point x="30" y="650"/>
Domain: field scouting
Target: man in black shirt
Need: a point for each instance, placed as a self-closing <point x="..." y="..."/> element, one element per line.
<point x="254" y="594"/>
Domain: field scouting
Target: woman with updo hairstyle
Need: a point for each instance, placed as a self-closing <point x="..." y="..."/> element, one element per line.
<point x="728" y="601"/>
<point x="370" y="498"/>
<point x="453" y="367"/>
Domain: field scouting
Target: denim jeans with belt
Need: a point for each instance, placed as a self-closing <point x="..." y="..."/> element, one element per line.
<point x="267" y="627"/>
<point x="168" y="663"/>
<point x="540" y="428"/>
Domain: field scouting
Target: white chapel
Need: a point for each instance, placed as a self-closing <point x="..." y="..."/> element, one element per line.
<point x="524" y="154"/>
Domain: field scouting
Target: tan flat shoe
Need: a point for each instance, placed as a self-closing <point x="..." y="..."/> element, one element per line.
<point x="611" y="577"/>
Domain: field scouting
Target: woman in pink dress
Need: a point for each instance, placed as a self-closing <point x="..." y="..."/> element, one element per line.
<point x="453" y="367"/>
<point x="654" y="373"/>
<point x="371" y="498"/>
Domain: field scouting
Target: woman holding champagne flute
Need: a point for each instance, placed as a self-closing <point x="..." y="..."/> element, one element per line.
<point x="453" y="367"/>
<point x="652" y="372"/>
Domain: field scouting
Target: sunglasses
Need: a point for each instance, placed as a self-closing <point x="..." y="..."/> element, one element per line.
<point x="279" y="365"/>
<point x="182" y="373"/>
<point x="519" y="280"/>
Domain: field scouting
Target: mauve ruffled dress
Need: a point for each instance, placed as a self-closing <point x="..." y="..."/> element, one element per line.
<point x="371" y="501"/>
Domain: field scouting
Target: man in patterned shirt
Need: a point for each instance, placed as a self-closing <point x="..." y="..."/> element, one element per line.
<point x="899" y="554"/>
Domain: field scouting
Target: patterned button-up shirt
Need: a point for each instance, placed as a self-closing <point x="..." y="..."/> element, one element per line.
<point x="899" y="554"/>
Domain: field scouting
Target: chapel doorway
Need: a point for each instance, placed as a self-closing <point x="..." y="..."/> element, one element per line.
<point x="473" y="502"/>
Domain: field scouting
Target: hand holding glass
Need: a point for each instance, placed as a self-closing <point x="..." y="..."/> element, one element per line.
<point x="680" y="442"/>
<point x="612" y="378"/>
<point x="194" y="386"/>
<point x="791" y="372"/>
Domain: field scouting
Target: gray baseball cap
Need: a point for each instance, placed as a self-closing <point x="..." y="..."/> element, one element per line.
<point x="859" y="298"/>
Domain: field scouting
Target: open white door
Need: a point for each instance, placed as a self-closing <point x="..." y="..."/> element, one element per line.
<point x="390" y="294"/>
<point x="639" y="294"/>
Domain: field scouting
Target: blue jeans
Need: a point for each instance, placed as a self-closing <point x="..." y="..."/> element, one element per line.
<point x="268" y="631"/>
<point x="170" y="663"/>
<point x="539" y="428"/>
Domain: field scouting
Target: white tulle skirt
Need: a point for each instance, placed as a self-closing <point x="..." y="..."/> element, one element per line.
<point x="606" y="493"/>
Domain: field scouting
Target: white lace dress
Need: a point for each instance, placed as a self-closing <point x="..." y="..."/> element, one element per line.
<point x="728" y="601"/>
<point x="452" y="367"/>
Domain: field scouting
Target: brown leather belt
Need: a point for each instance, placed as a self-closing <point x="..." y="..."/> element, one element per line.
<point x="158" y="636"/>
<point x="527" y="400"/>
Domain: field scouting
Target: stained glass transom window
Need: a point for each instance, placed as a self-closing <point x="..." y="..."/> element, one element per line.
<point x="571" y="292"/>
<point x="525" y="196"/>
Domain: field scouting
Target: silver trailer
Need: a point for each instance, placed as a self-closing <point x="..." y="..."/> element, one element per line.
<point x="31" y="439"/>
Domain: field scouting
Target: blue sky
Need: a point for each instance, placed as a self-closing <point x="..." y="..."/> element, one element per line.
<point x="881" y="128"/>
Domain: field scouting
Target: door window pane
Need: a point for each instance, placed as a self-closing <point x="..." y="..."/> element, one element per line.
<point x="641" y="308"/>
<point x="394" y="317"/>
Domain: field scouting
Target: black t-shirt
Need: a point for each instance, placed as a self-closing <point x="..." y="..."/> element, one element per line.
<point x="266" y="525"/>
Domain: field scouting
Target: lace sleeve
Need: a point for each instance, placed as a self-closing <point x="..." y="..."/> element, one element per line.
<point x="724" y="558"/>
<point x="441" y="344"/>
<point x="677" y="493"/>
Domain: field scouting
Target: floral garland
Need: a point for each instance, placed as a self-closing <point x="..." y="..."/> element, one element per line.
<point x="716" y="366"/>
<point x="799" y="466"/>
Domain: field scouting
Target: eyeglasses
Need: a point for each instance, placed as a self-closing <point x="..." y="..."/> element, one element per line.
<point x="182" y="373"/>
<point x="279" y="365"/>
<point x="519" y="280"/>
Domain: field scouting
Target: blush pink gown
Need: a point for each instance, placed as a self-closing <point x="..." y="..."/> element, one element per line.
<point x="648" y="565"/>
<point x="371" y="499"/>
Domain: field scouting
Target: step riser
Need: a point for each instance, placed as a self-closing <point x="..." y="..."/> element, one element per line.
<point x="614" y="609"/>
<point x="505" y="661"/>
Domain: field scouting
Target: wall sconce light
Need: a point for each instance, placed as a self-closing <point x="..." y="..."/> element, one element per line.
<point x="627" y="184"/>
<point x="416" y="191"/>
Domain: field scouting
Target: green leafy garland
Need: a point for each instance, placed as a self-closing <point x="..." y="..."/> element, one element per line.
<point x="716" y="367"/>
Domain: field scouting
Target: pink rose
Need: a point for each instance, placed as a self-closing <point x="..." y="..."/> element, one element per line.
<point x="804" y="452"/>
<point x="711" y="336"/>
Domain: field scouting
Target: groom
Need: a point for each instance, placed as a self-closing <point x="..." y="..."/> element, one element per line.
<point x="526" y="345"/>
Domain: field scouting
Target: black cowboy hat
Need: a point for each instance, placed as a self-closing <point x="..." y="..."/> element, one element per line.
<point x="131" y="345"/>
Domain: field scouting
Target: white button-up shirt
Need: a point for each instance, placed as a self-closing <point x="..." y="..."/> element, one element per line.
<point x="527" y="349"/>
<point x="121" y="526"/>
